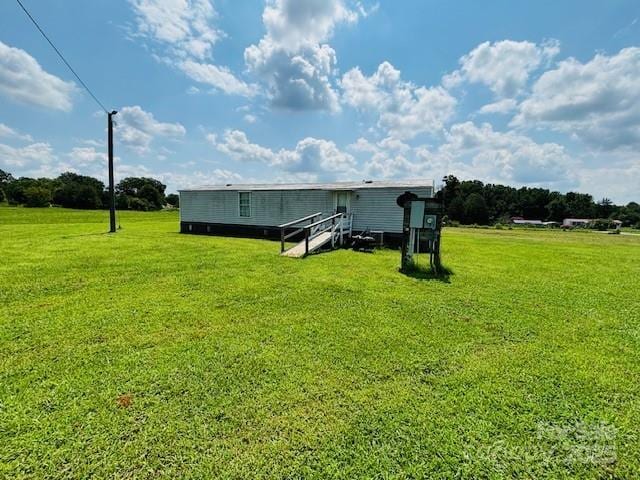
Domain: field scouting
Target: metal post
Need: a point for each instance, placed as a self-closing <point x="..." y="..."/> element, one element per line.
<point x="112" y="193"/>
<point x="281" y="240"/>
<point x="306" y="241"/>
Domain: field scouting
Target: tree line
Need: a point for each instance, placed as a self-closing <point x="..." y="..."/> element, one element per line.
<point x="71" y="190"/>
<point x="467" y="202"/>
<point x="473" y="202"/>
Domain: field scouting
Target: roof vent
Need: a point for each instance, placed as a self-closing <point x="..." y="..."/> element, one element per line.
<point x="368" y="181"/>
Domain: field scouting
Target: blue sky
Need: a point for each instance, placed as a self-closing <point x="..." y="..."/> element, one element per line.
<point x="534" y="93"/>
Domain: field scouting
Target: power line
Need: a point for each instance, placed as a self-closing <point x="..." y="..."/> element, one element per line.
<point x="62" y="57"/>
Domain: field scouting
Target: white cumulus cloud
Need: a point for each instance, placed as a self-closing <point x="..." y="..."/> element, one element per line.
<point x="8" y="132"/>
<point x="22" y="79"/>
<point x="404" y="110"/>
<point x="137" y="128"/>
<point x="292" y="59"/>
<point x="184" y="25"/>
<point x="26" y="157"/>
<point x="310" y="155"/>
<point x="597" y="101"/>
<point x="503" y="66"/>
<point x="218" y="77"/>
<point x="508" y="157"/>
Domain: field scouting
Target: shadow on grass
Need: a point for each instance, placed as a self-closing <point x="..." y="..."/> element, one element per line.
<point x="421" y="272"/>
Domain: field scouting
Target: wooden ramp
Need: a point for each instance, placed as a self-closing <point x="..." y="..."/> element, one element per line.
<point x="315" y="243"/>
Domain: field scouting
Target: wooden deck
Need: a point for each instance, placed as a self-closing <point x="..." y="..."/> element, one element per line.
<point x="315" y="243"/>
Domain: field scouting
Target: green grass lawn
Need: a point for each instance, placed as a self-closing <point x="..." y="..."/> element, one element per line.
<point x="151" y="354"/>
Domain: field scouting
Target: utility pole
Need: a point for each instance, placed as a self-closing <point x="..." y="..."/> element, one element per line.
<point x="112" y="192"/>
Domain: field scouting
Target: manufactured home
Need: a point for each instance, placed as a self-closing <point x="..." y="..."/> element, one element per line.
<point x="575" y="222"/>
<point x="258" y="210"/>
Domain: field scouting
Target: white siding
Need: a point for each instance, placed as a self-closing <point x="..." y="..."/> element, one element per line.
<point x="373" y="208"/>
<point x="376" y="208"/>
<point x="268" y="207"/>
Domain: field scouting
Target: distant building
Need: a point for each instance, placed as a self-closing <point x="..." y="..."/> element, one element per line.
<point x="575" y="222"/>
<point x="523" y="221"/>
<point x="535" y="223"/>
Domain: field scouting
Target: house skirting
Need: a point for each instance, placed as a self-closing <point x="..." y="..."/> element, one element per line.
<point x="393" y="240"/>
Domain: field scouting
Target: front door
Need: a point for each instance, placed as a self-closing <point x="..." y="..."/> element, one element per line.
<point x="342" y="201"/>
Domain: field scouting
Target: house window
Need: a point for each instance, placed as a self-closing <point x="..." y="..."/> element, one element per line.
<point x="244" y="200"/>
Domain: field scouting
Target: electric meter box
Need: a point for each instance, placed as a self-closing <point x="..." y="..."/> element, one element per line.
<point x="430" y="221"/>
<point x="417" y="214"/>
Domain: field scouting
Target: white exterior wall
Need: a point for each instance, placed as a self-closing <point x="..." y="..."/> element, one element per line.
<point x="376" y="208"/>
<point x="373" y="208"/>
<point x="268" y="207"/>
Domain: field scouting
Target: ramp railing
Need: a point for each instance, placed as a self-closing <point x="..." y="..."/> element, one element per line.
<point x="297" y="225"/>
<point x="335" y="228"/>
<point x="341" y="228"/>
<point x="317" y="228"/>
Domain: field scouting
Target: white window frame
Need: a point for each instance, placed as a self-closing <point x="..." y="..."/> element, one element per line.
<point x="240" y="194"/>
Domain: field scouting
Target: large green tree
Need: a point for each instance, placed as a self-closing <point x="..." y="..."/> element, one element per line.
<point x="78" y="191"/>
<point x="143" y="193"/>
<point x="16" y="190"/>
<point x="475" y="209"/>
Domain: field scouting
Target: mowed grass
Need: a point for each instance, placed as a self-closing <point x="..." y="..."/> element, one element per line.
<point x="151" y="354"/>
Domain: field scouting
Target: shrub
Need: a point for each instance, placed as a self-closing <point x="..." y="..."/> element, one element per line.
<point x="140" y="204"/>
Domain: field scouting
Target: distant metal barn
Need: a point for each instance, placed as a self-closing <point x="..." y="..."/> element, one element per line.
<point x="258" y="210"/>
